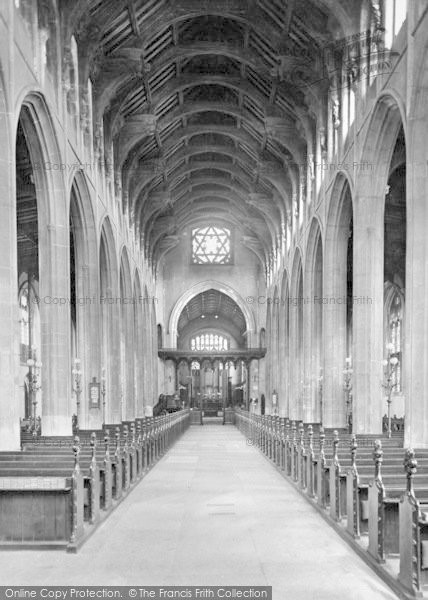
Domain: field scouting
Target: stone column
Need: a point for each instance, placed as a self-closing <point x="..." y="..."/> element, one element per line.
<point x="138" y="358"/>
<point x="415" y="371"/>
<point x="368" y="404"/>
<point x="129" y="350"/>
<point x="88" y="310"/>
<point x="309" y="350"/>
<point x="114" y="387"/>
<point x="11" y="396"/>
<point x="334" y="325"/>
<point x="55" y="327"/>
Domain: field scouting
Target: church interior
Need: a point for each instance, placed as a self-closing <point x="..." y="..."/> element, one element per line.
<point x="213" y="294"/>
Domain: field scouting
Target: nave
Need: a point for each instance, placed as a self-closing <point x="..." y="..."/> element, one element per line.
<point x="211" y="512"/>
<point x="214" y="209"/>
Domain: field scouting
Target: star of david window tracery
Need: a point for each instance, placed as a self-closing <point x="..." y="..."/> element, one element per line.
<point x="211" y="246"/>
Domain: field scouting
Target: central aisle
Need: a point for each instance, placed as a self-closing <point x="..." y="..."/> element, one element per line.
<point x="211" y="512"/>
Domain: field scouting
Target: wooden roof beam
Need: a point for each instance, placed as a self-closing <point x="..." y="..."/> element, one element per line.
<point x="288" y="16"/>
<point x="133" y="18"/>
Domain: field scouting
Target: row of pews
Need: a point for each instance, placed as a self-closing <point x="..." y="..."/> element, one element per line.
<point x="56" y="490"/>
<point x="370" y="488"/>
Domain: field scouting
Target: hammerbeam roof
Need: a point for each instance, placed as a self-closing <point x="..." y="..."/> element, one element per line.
<point x="206" y="106"/>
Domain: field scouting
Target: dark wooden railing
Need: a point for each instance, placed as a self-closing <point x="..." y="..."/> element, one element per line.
<point x="358" y="482"/>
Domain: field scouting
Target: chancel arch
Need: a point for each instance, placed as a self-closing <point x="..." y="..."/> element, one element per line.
<point x="200" y="288"/>
<point x="212" y="333"/>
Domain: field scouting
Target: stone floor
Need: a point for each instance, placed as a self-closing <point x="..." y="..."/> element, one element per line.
<point x="212" y="512"/>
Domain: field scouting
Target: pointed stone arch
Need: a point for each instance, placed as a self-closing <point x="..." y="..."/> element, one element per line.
<point x="336" y="307"/>
<point x="203" y="286"/>
<point x="84" y="283"/>
<point x="388" y="117"/>
<point x="109" y="313"/>
<point x="34" y="118"/>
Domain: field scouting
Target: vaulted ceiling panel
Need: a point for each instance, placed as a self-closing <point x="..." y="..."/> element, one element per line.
<point x="187" y="82"/>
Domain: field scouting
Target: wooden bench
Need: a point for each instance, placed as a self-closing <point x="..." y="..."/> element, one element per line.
<point x="54" y="497"/>
<point x="413" y="534"/>
<point x="43" y="508"/>
<point x="342" y="488"/>
<point x="383" y="498"/>
<point x="368" y="492"/>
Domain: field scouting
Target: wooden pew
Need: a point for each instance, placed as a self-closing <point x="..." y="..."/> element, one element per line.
<point x="301" y="459"/>
<point x="335" y="482"/>
<point x="347" y="492"/>
<point x="29" y="507"/>
<point x="310" y="471"/>
<point x="55" y="453"/>
<point x="353" y="497"/>
<point x="383" y="497"/>
<point x="413" y="536"/>
<point x="322" y="487"/>
<point x="357" y="486"/>
<point x="60" y="465"/>
<point x="345" y="487"/>
<point x="49" y="478"/>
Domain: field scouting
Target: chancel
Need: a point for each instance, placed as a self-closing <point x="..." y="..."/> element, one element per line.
<point x="213" y="294"/>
